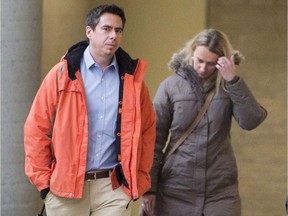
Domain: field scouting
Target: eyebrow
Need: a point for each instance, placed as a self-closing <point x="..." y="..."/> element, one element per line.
<point x="111" y="27"/>
<point x="209" y="62"/>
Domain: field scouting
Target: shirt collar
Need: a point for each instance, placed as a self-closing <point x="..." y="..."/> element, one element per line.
<point x="89" y="61"/>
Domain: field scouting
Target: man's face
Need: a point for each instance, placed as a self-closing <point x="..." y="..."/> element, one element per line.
<point x="107" y="36"/>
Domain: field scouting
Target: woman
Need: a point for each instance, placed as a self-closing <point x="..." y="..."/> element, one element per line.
<point x="200" y="177"/>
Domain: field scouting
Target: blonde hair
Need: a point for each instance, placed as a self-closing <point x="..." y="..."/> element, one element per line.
<point x="216" y="41"/>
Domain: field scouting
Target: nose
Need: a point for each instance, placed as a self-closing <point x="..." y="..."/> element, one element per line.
<point x="113" y="34"/>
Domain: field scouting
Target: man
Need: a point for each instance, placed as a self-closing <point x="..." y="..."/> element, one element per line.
<point x="89" y="136"/>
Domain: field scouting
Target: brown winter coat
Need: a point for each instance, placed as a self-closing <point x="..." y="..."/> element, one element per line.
<point x="200" y="177"/>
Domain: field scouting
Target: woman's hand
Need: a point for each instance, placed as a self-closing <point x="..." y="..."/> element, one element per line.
<point x="148" y="204"/>
<point x="226" y="67"/>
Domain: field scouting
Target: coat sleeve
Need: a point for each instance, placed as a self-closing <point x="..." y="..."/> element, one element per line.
<point x="164" y="116"/>
<point x="148" y="138"/>
<point x="38" y="131"/>
<point x="246" y="110"/>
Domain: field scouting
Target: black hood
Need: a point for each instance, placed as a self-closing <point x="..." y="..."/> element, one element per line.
<point x="75" y="53"/>
<point x="73" y="57"/>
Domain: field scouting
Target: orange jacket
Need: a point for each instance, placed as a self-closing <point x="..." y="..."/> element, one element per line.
<point x="56" y="129"/>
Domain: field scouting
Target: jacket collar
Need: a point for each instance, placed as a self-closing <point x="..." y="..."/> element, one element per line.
<point x="75" y="54"/>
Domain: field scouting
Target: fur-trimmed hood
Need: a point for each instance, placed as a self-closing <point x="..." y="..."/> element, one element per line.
<point x="178" y="59"/>
<point x="181" y="58"/>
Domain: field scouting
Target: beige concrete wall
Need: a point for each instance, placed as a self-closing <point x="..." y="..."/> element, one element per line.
<point x="259" y="29"/>
<point x="63" y="25"/>
<point x="157" y="29"/>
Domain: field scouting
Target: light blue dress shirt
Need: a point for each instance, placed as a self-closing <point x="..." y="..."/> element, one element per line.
<point x="102" y="96"/>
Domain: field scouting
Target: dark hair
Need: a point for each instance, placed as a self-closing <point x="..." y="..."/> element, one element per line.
<point x="93" y="17"/>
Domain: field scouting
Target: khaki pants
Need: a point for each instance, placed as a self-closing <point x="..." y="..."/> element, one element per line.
<point x="98" y="200"/>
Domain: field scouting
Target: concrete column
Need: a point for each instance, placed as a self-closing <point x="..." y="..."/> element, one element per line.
<point x="20" y="76"/>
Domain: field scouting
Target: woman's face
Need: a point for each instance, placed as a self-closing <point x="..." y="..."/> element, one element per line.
<point x="204" y="62"/>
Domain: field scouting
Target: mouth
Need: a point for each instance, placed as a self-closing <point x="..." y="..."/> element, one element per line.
<point x="111" y="45"/>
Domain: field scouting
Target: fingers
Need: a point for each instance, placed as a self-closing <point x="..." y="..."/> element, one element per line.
<point x="147" y="210"/>
<point x="226" y="67"/>
<point x="148" y="204"/>
<point x="224" y="62"/>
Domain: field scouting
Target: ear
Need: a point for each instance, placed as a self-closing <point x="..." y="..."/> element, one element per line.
<point x="88" y="31"/>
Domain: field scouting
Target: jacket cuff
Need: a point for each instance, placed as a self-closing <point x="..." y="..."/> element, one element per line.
<point x="44" y="192"/>
<point x="234" y="80"/>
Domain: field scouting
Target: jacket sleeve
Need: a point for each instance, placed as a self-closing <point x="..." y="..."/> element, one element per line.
<point x="148" y="138"/>
<point x="38" y="132"/>
<point x="246" y="110"/>
<point x="164" y="115"/>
